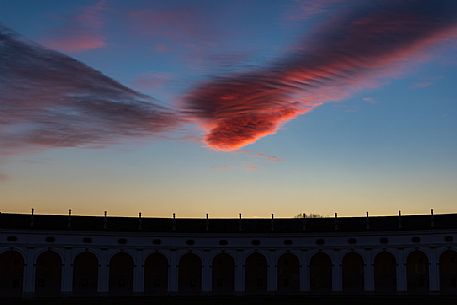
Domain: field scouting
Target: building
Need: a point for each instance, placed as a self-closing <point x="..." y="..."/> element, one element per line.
<point x="42" y="255"/>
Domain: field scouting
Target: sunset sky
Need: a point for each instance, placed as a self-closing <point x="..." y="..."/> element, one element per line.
<point x="227" y="107"/>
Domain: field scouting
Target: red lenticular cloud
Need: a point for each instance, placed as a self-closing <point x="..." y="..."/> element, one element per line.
<point x="349" y="53"/>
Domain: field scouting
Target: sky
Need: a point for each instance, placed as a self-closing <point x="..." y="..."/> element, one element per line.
<point x="228" y="107"/>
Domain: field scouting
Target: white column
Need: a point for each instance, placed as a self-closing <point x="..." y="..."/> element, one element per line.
<point x="368" y="275"/>
<point x="434" y="278"/>
<point x="67" y="272"/>
<point x="401" y="271"/>
<point x="29" y="274"/>
<point x="207" y="276"/>
<point x="173" y="273"/>
<point x="103" y="274"/>
<point x="272" y="274"/>
<point x="138" y="273"/>
<point x="239" y="274"/>
<point x="304" y="274"/>
<point x="337" y="274"/>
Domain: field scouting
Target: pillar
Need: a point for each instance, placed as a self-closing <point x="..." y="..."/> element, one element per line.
<point x="103" y="274"/>
<point x="304" y="275"/>
<point x="67" y="273"/>
<point x="337" y="276"/>
<point x="173" y="273"/>
<point x="138" y="273"/>
<point x="368" y="275"/>
<point x="434" y="278"/>
<point x="207" y="276"/>
<point x="401" y="271"/>
<point x="29" y="274"/>
<point x="272" y="274"/>
<point x="239" y="274"/>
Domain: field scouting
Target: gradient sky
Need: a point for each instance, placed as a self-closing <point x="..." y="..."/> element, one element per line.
<point x="227" y="107"/>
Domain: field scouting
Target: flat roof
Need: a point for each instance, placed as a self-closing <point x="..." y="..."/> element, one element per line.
<point x="227" y="225"/>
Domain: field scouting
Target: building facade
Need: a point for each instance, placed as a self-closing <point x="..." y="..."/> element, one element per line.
<point x="44" y="255"/>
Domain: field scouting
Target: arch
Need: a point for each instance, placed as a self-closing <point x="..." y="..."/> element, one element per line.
<point x="156" y="274"/>
<point x="48" y="273"/>
<point x="11" y="273"/>
<point x="417" y="272"/>
<point x="223" y="274"/>
<point x="353" y="272"/>
<point x="385" y="272"/>
<point x="320" y="268"/>
<point x="256" y="273"/>
<point x="448" y="271"/>
<point x="121" y="274"/>
<point x="85" y="273"/>
<point x="288" y="273"/>
<point x="190" y="274"/>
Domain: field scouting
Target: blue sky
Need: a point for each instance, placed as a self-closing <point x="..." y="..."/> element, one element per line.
<point x="384" y="141"/>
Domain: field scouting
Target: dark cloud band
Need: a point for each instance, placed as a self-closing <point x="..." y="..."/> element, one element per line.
<point x="48" y="99"/>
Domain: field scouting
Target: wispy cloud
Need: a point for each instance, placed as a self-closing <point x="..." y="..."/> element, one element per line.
<point x="260" y="155"/>
<point x="350" y="52"/>
<point x="183" y="26"/>
<point x="304" y="9"/>
<point x="48" y="99"/>
<point x="3" y="177"/>
<point x="152" y="80"/>
<point x="80" y="32"/>
<point x="422" y="85"/>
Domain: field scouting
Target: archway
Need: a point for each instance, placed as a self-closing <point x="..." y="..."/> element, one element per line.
<point x="417" y="273"/>
<point x="288" y="273"/>
<point x="190" y="274"/>
<point x="156" y="274"/>
<point x="353" y="272"/>
<point x="223" y="274"/>
<point x="121" y="274"/>
<point x="85" y="273"/>
<point x="320" y="268"/>
<point x="48" y="274"/>
<point x="385" y="272"/>
<point x="11" y="273"/>
<point x="448" y="272"/>
<point x="256" y="274"/>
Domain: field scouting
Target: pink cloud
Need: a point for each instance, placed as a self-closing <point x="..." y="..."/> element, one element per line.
<point x="175" y="30"/>
<point x="304" y="9"/>
<point x="151" y="80"/>
<point x="81" y="32"/>
<point x="251" y="167"/>
<point x="169" y="24"/>
<point x="3" y="177"/>
<point x="77" y="42"/>
<point x="423" y="84"/>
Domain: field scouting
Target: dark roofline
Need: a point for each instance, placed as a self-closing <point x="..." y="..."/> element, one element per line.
<point x="226" y="225"/>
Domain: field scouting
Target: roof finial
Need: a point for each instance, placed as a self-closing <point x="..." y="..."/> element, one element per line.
<point x="105" y="220"/>
<point x="69" y="219"/>
<point x="272" y="222"/>
<point x="140" y="221"/>
<point x="31" y="219"/>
